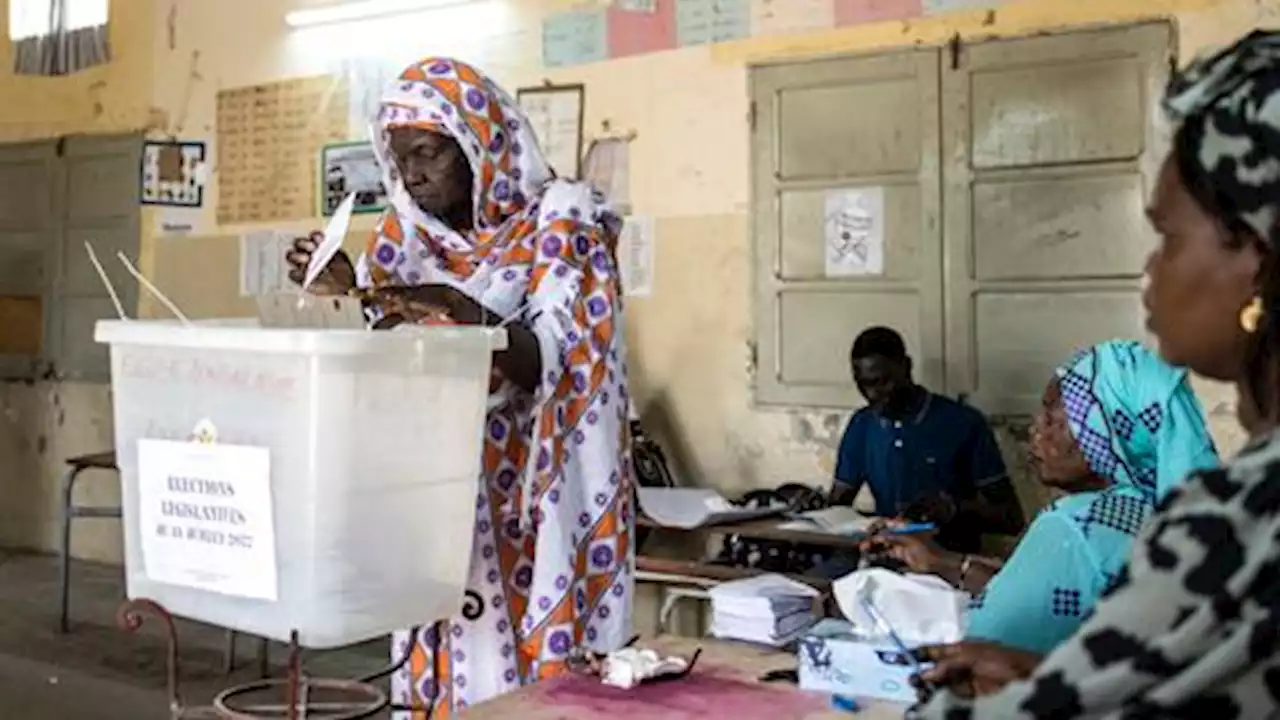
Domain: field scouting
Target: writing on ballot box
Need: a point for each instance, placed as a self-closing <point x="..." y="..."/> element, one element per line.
<point x="205" y="517"/>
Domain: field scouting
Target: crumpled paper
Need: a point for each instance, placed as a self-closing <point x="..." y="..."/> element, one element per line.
<point x="628" y="667"/>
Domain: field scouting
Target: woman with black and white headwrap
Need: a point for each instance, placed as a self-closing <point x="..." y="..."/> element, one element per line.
<point x="1192" y="628"/>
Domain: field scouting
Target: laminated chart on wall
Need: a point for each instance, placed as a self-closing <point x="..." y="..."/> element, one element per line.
<point x="700" y="22"/>
<point x="351" y="168"/>
<point x="575" y="37"/>
<point x="934" y="7"/>
<point x="636" y="31"/>
<point x="777" y="17"/>
<point x="859" y="12"/>
<point x="269" y="137"/>
<point x="555" y="114"/>
<point x="174" y="173"/>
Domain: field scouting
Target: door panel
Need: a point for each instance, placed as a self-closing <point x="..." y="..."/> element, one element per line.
<point x="29" y="226"/>
<point x="824" y="128"/>
<point x="1051" y="149"/>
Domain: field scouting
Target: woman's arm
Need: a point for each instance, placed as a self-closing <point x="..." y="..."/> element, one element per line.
<point x="1044" y="591"/>
<point x="520" y="362"/>
<point x="921" y="554"/>
<point x="970" y="573"/>
<point x="1158" y="634"/>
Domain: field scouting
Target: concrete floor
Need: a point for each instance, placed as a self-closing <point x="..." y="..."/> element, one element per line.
<point x="99" y="671"/>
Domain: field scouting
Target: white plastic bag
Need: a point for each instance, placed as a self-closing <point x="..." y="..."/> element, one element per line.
<point x="920" y="609"/>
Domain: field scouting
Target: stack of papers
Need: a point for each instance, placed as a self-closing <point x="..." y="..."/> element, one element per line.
<point x="688" y="508"/>
<point x="768" y="609"/>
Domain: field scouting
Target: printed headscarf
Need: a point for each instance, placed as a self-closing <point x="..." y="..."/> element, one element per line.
<point x="1228" y="106"/>
<point x="1190" y="629"/>
<point x="1134" y="417"/>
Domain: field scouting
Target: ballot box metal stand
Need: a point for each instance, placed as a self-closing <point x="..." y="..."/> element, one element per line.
<point x="297" y="696"/>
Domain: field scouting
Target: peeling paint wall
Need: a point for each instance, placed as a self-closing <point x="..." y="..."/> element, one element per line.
<point x="688" y="109"/>
<point x="43" y="423"/>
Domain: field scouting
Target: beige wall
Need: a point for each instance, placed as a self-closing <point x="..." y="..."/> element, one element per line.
<point x="42" y="423"/>
<point x="688" y="108"/>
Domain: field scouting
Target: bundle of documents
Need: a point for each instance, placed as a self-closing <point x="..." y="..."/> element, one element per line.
<point x="688" y="508"/>
<point x="768" y="609"/>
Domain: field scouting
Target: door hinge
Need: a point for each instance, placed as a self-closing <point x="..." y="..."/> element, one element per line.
<point x="954" y="47"/>
<point x="751" y="116"/>
<point x="753" y="359"/>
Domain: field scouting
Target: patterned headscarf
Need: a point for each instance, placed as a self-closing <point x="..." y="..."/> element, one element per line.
<point x="1228" y="106"/>
<point x="1134" y="417"/>
<point x="512" y="179"/>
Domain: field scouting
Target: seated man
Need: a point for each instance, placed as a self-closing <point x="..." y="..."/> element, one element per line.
<point x="924" y="456"/>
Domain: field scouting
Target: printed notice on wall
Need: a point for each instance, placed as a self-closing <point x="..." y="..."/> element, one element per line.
<point x="264" y="270"/>
<point x="853" y="223"/>
<point x="607" y="168"/>
<point x="635" y="256"/>
<point x="204" y="512"/>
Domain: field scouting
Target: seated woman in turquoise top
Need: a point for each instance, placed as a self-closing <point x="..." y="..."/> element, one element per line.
<point x="1119" y="429"/>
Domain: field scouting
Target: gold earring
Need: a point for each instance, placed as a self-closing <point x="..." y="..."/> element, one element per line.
<point x="1251" y="315"/>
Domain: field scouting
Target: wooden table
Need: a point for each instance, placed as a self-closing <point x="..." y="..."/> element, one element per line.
<point x="692" y="579"/>
<point x="724" y="684"/>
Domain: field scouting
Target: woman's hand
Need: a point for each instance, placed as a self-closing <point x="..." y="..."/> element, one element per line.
<point x="939" y="509"/>
<point x="431" y="302"/>
<point x="975" y="668"/>
<point x="338" y="278"/>
<point x="917" y="551"/>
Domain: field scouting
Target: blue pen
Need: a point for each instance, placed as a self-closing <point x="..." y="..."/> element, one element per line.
<point x="844" y="703"/>
<point x="887" y="629"/>
<point x="912" y="528"/>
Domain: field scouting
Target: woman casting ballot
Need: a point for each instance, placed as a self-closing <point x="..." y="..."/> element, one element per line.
<point x="479" y="230"/>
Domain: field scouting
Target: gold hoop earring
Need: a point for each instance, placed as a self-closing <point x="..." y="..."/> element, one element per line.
<point x="1251" y="315"/>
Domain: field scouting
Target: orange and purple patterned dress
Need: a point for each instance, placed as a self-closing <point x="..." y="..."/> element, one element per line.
<point x="552" y="561"/>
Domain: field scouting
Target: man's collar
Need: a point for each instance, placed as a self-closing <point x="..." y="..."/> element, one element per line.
<point x="915" y="412"/>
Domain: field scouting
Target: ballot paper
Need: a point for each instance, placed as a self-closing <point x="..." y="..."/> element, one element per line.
<point x="688" y="508"/>
<point x="767" y="609"/>
<point x="334" y="234"/>
<point x="834" y="520"/>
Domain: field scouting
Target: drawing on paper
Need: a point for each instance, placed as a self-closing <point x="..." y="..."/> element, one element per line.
<point x="853" y="225"/>
<point x="555" y="113"/>
<point x="351" y="169"/>
<point x="173" y="173"/>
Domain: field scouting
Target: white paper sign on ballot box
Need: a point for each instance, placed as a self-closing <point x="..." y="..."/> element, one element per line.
<point x="205" y="516"/>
